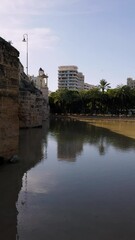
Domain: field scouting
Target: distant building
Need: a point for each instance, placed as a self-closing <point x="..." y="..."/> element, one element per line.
<point x="69" y="78"/>
<point x="41" y="82"/>
<point x="88" y="86"/>
<point x="130" y="82"/>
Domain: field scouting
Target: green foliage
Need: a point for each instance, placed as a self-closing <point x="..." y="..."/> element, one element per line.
<point x="104" y="85"/>
<point x="114" y="101"/>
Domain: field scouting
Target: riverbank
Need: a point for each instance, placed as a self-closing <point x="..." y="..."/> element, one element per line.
<point x="122" y="125"/>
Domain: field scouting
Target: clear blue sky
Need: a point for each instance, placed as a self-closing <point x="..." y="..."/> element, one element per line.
<point x="98" y="36"/>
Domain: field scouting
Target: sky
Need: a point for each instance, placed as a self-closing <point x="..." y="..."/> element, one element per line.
<point x="98" y="36"/>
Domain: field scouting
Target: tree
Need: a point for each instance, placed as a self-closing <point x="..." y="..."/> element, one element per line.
<point x="55" y="102"/>
<point x="104" y="85"/>
<point x="124" y="96"/>
<point x="113" y="101"/>
<point x="94" y="96"/>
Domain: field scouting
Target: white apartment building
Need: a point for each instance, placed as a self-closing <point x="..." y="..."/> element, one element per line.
<point x="130" y="82"/>
<point x="88" y="86"/>
<point x="70" y="78"/>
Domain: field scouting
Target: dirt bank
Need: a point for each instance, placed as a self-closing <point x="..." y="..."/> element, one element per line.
<point x="122" y="125"/>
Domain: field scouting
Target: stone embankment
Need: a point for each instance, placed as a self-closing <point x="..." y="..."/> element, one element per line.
<point x="21" y="104"/>
<point x="31" y="105"/>
<point x="9" y="92"/>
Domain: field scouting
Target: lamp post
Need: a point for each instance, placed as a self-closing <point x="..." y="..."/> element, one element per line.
<point x="25" y="39"/>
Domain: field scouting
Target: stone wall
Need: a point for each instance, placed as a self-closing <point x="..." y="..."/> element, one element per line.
<point x="30" y="109"/>
<point x="21" y="103"/>
<point x="45" y="110"/>
<point x="9" y="90"/>
<point x="33" y="108"/>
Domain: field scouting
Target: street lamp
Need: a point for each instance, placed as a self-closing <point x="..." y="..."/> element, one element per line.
<point x="25" y="39"/>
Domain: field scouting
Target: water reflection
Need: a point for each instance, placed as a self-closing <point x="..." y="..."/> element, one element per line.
<point x="47" y="198"/>
<point x="33" y="145"/>
<point x="32" y="149"/>
<point x="88" y="199"/>
<point x="9" y="141"/>
<point x="69" y="138"/>
<point x="72" y="135"/>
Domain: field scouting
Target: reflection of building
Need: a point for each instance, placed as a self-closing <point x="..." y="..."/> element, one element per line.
<point x="130" y="82"/>
<point x="70" y="78"/>
<point x="68" y="149"/>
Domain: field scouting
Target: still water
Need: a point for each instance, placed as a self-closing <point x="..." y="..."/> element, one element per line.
<point x="74" y="182"/>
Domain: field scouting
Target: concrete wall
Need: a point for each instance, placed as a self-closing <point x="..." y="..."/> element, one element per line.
<point x="9" y="90"/>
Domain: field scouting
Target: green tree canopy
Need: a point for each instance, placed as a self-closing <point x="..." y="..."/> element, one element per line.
<point x="104" y="85"/>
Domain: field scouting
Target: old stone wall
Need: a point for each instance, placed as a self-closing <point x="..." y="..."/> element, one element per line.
<point x="22" y="105"/>
<point x="45" y="109"/>
<point x="33" y="101"/>
<point x="33" y="107"/>
<point x="30" y="109"/>
<point x="9" y="91"/>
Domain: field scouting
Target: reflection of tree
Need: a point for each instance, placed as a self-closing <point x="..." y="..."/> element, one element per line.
<point x="30" y="153"/>
<point x="101" y="146"/>
<point x="71" y="135"/>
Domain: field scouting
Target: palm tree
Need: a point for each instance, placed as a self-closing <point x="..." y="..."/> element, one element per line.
<point x="104" y="85"/>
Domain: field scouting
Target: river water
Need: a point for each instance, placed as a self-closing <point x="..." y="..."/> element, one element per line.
<point x="74" y="181"/>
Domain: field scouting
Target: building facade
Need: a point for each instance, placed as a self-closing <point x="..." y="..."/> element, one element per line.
<point x="69" y="78"/>
<point x="88" y="86"/>
<point x="130" y="82"/>
<point x="41" y="82"/>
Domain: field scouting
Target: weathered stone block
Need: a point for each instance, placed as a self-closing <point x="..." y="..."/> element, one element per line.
<point x="9" y="89"/>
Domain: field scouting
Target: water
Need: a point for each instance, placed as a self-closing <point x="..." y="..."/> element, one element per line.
<point x="74" y="181"/>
